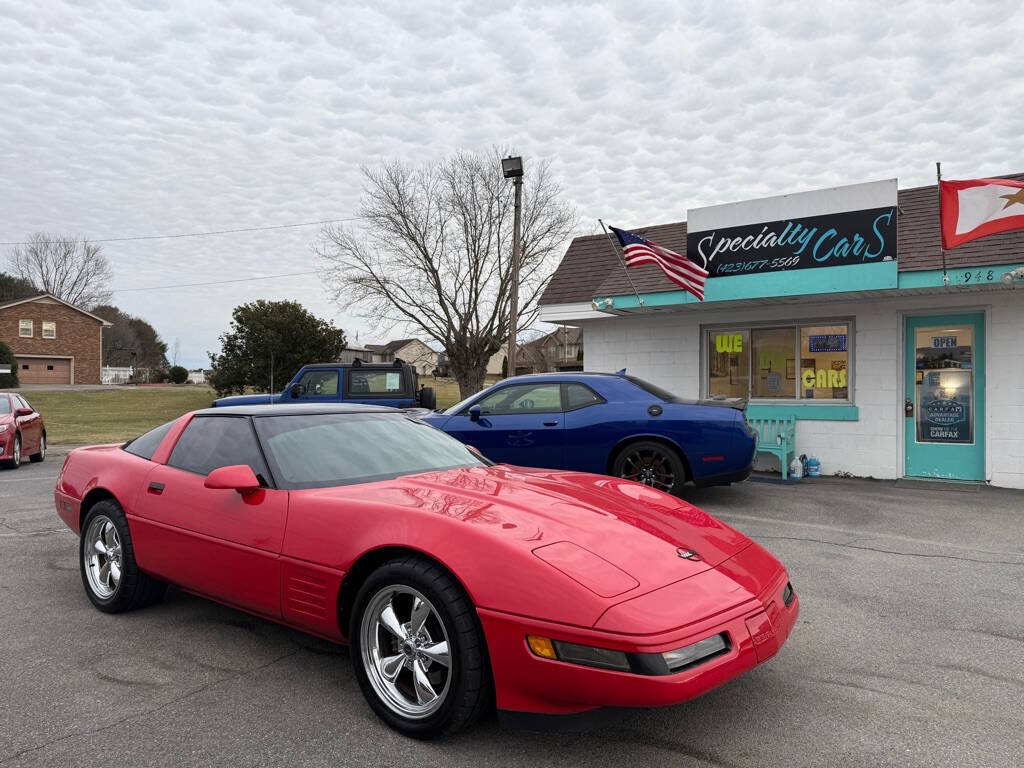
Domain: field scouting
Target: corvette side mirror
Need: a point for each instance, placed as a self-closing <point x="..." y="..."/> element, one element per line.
<point x="298" y="390"/>
<point x="237" y="477"/>
<point x="474" y="413"/>
<point x="22" y="411"/>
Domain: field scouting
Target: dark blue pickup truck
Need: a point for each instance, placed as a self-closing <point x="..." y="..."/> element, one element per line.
<point x="393" y="384"/>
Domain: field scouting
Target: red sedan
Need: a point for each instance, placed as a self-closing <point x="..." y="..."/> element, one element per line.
<point x="22" y="432"/>
<point x="458" y="584"/>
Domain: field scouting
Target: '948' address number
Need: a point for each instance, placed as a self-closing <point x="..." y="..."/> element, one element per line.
<point x="981" y="276"/>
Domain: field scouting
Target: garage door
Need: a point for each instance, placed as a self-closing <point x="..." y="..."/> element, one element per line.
<point x="44" y="370"/>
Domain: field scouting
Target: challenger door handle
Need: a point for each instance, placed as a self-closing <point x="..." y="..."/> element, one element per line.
<point x="550" y="423"/>
<point x="156" y="488"/>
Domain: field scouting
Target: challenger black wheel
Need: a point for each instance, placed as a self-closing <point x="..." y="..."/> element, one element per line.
<point x="651" y="463"/>
<point x="111" y="578"/>
<point x="418" y="650"/>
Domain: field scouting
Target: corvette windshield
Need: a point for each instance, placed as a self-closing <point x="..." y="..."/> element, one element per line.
<point x="323" y="450"/>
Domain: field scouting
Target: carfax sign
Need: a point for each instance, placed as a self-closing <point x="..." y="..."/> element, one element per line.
<point x="853" y="226"/>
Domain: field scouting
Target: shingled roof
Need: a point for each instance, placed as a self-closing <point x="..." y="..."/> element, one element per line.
<point x="591" y="268"/>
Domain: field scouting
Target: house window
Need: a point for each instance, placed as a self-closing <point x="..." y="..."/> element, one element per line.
<point x="26" y="328"/>
<point x="779" y="362"/>
<point x="49" y="330"/>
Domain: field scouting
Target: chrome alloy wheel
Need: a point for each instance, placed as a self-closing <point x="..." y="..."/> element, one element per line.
<point x="651" y="467"/>
<point x="405" y="651"/>
<point x="42" y="447"/>
<point x="102" y="556"/>
<point x="16" y="455"/>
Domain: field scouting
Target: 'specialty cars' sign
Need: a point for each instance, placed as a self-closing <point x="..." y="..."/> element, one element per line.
<point x="827" y="228"/>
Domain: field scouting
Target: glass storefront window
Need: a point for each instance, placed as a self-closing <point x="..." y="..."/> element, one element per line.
<point x="729" y="364"/>
<point x="944" y="387"/>
<point x="788" y="362"/>
<point x="823" y="362"/>
<point x="774" y="371"/>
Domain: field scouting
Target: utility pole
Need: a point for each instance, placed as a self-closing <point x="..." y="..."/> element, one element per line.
<point x="512" y="167"/>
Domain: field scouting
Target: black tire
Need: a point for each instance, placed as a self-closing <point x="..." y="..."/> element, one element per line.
<point x="651" y="463"/>
<point x="428" y="398"/>
<point x="469" y="691"/>
<point x="40" y="455"/>
<point x="134" y="589"/>
<point x="15" y="461"/>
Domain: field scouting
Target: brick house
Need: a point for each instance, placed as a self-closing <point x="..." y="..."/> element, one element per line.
<point x="53" y="341"/>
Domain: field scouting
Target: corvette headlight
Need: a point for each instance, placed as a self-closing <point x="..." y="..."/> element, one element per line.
<point x="572" y="653"/>
<point x="691" y="654"/>
<point x="3" y="428"/>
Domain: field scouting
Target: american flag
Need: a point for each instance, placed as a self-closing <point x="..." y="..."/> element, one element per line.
<point x="679" y="269"/>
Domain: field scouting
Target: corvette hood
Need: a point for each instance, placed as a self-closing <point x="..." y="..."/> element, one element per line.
<point x="608" y="534"/>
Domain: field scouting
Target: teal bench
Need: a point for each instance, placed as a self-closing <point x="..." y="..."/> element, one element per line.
<point x="777" y="437"/>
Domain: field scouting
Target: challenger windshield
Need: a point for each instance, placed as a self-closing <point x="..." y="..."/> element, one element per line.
<point x="323" y="450"/>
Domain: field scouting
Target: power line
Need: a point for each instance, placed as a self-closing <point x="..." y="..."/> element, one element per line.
<point x="212" y="282"/>
<point x="204" y="234"/>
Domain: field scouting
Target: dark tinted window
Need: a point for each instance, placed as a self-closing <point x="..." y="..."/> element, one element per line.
<point x="146" y="445"/>
<point x="524" y="398"/>
<point x="209" y="442"/>
<point x="658" y="392"/>
<point x="320" y="450"/>
<point x="579" y="396"/>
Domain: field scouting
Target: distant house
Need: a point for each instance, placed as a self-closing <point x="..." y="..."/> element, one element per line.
<point x="349" y="354"/>
<point x="412" y="351"/>
<point x="54" y="342"/>
<point x="560" y="350"/>
<point x="196" y="376"/>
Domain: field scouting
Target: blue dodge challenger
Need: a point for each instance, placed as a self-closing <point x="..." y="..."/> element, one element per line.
<point x="606" y="423"/>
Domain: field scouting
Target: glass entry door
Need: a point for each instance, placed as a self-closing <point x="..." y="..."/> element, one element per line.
<point x="944" y="409"/>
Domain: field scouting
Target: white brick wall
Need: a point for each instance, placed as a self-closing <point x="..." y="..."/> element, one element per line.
<point x="665" y="349"/>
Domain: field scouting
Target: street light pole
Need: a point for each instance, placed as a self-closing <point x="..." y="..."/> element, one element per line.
<point x="512" y="167"/>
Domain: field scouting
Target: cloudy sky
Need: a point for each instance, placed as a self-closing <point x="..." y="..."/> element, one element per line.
<point x="128" y="119"/>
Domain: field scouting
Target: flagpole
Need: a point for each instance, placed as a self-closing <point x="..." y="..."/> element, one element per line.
<point x="622" y="260"/>
<point x="938" y="190"/>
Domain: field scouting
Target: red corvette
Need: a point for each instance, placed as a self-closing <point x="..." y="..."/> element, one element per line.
<point x="22" y="432"/>
<point x="457" y="583"/>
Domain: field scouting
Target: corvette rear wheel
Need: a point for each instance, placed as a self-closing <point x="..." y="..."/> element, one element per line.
<point x="418" y="650"/>
<point x="651" y="463"/>
<point x="110" y="575"/>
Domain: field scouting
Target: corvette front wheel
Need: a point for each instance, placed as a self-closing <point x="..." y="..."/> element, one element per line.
<point x="418" y="651"/>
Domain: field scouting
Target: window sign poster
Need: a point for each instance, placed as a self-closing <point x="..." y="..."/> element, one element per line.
<point x="944" y="342"/>
<point x="832" y="342"/>
<point x="944" y="407"/>
<point x="394" y="381"/>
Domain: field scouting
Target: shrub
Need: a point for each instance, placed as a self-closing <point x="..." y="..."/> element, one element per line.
<point x="7" y="358"/>
<point x="178" y="374"/>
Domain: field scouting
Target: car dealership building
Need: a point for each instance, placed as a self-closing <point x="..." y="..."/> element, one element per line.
<point x="836" y="307"/>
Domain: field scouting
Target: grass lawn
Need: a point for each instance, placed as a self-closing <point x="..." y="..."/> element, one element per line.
<point x="113" y="415"/>
<point x="447" y="390"/>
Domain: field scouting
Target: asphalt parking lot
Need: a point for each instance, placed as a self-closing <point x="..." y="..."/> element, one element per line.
<point x="909" y="651"/>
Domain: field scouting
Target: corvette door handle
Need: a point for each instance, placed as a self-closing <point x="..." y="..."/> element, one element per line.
<point x="550" y="423"/>
<point x="156" y="488"/>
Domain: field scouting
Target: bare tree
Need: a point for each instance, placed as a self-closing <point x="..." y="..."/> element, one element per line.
<point x="73" y="270"/>
<point x="435" y="253"/>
